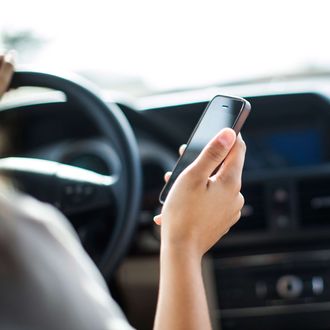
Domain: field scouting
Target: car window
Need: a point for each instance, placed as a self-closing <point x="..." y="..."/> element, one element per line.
<point x="145" y="47"/>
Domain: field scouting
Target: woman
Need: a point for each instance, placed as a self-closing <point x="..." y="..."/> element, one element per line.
<point x="47" y="281"/>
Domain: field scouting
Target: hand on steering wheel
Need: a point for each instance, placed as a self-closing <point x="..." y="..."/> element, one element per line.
<point x="50" y="180"/>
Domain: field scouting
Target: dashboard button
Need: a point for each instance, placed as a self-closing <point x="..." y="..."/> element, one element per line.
<point x="289" y="286"/>
<point x="317" y="285"/>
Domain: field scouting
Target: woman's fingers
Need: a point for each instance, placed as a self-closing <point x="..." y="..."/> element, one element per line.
<point x="167" y="176"/>
<point x="158" y="219"/>
<point x="182" y="149"/>
<point x="6" y="71"/>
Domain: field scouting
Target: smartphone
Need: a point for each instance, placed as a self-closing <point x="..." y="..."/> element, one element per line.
<point x="223" y="111"/>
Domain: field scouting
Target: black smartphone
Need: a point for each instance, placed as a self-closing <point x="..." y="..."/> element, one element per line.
<point x="223" y="111"/>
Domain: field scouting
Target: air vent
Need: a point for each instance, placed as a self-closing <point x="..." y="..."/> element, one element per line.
<point x="314" y="202"/>
<point x="254" y="211"/>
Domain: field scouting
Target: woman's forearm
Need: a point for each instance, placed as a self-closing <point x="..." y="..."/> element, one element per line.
<point x="182" y="302"/>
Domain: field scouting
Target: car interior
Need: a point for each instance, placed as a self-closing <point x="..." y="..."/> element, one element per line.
<point x="100" y="157"/>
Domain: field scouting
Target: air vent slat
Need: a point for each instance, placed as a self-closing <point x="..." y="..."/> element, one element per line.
<point x="314" y="202"/>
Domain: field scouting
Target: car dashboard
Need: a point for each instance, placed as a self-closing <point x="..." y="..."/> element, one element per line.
<point x="273" y="269"/>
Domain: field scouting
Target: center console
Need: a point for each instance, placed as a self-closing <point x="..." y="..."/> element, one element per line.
<point x="273" y="269"/>
<point x="274" y="291"/>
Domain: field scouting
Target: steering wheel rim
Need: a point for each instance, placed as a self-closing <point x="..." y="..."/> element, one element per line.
<point x="116" y="129"/>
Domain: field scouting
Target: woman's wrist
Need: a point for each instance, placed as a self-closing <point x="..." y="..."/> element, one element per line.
<point x="180" y="251"/>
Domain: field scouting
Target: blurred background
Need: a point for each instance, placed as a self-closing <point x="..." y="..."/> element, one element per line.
<point x="272" y="271"/>
<point x="146" y="47"/>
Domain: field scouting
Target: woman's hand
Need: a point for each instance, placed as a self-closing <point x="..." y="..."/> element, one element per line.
<point x="201" y="208"/>
<point x="6" y="71"/>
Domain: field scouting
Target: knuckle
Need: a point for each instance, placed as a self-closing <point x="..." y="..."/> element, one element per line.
<point x="236" y="218"/>
<point x="227" y="177"/>
<point x="241" y="201"/>
<point x="233" y="181"/>
<point x="239" y="214"/>
<point x="241" y="145"/>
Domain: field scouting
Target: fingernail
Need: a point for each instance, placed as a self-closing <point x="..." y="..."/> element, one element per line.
<point x="227" y="137"/>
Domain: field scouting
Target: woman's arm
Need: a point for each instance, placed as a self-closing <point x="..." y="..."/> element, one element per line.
<point x="198" y="211"/>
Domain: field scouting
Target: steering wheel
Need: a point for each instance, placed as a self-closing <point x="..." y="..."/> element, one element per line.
<point x="75" y="190"/>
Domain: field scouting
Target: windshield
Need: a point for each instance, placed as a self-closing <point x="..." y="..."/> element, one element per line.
<point x="147" y="47"/>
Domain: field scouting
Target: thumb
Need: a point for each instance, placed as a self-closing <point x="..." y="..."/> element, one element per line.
<point x="214" y="153"/>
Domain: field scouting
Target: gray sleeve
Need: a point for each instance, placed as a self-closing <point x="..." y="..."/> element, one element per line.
<point x="47" y="281"/>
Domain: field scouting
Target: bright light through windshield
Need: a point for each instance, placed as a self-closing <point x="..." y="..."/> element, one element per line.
<point x="144" y="47"/>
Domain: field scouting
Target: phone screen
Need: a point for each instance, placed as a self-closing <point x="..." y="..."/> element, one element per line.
<point x="221" y="112"/>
